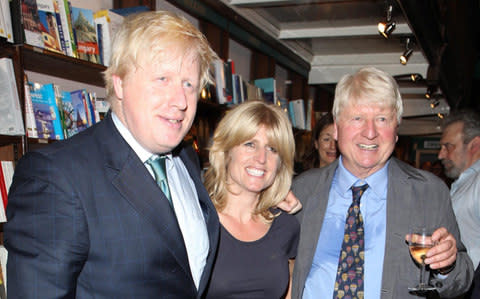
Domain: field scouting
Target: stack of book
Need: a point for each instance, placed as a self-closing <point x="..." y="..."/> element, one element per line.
<point x="58" y="26"/>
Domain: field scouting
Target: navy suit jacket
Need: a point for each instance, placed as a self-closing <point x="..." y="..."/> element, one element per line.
<point x="87" y="220"/>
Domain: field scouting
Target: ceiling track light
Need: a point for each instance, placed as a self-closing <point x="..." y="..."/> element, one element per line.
<point x="407" y="53"/>
<point x="416" y="77"/>
<point x="434" y="103"/>
<point x="386" y="28"/>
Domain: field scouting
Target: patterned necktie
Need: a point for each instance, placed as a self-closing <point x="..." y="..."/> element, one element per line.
<point x="158" y="165"/>
<point x="349" y="280"/>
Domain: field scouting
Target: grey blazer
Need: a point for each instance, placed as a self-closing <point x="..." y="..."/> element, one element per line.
<point x="411" y="193"/>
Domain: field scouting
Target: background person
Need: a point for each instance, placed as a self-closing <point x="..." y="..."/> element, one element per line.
<point x="460" y="156"/>
<point x="323" y="147"/>
<point x="86" y="216"/>
<point x="367" y="110"/>
<point x="251" y="168"/>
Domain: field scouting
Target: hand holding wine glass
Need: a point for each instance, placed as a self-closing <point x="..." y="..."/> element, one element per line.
<point x="419" y="242"/>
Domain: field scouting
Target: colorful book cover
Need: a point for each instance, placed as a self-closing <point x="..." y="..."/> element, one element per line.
<point x="86" y="34"/>
<point x="48" y="19"/>
<point x="47" y="116"/>
<point x="79" y="113"/>
<point x="60" y="26"/>
<point x="32" y="26"/>
<point x="107" y="23"/>
<point x="268" y="87"/>
<point x="66" y="21"/>
<point x="70" y="123"/>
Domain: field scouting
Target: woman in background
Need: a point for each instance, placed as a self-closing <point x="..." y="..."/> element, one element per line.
<point x="323" y="147"/>
<point x="251" y="168"/>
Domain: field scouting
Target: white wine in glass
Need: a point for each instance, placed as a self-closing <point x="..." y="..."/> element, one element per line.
<point x="419" y="242"/>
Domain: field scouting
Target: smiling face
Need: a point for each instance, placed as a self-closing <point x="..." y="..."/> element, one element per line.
<point x="326" y="146"/>
<point x="366" y="135"/>
<point x="252" y="165"/>
<point x="157" y="101"/>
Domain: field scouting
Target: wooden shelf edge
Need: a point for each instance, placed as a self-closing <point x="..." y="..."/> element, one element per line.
<point x="55" y="64"/>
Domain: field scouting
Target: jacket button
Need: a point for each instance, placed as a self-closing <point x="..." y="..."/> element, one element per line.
<point x="438" y="284"/>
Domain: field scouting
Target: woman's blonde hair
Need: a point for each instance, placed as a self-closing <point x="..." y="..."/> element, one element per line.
<point x="239" y="125"/>
<point x="145" y="36"/>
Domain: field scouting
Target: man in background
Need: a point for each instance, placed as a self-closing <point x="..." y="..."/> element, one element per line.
<point x="460" y="156"/>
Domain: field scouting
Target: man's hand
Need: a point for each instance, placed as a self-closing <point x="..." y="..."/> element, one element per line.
<point x="290" y="204"/>
<point x="443" y="255"/>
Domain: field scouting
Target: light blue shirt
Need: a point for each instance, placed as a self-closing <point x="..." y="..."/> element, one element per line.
<point x="373" y="206"/>
<point x="465" y="194"/>
<point x="185" y="202"/>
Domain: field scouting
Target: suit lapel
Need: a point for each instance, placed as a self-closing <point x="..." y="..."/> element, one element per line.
<point x="133" y="181"/>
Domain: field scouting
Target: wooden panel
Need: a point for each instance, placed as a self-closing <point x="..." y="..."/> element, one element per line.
<point x="131" y="3"/>
<point x="262" y="66"/>
<point x="217" y="38"/>
<point x="299" y="87"/>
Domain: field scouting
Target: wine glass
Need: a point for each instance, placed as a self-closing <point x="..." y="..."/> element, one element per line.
<point x="419" y="241"/>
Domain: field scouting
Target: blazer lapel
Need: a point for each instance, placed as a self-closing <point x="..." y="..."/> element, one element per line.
<point x="133" y="181"/>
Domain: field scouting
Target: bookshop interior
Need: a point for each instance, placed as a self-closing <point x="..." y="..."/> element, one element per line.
<point x="290" y="53"/>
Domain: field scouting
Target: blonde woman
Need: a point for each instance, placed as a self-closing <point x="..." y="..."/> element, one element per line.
<point x="251" y="171"/>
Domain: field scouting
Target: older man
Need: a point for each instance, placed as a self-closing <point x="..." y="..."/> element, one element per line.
<point x="460" y="156"/>
<point x="357" y="211"/>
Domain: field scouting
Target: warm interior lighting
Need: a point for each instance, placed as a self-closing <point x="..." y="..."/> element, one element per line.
<point x="434" y="103"/>
<point x="386" y="28"/>
<point x="407" y="53"/>
<point x="405" y="56"/>
<point x="440" y="115"/>
<point x="416" y="77"/>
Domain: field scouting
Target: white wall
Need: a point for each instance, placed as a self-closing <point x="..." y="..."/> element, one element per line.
<point x="94" y="5"/>
<point x="241" y="57"/>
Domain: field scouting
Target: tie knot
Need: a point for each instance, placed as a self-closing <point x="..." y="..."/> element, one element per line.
<point x="158" y="165"/>
<point x="357" y="191"/>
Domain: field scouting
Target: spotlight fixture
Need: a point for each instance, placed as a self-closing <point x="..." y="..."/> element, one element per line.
<point x="432" y="91"/>
<point x="407" y="53"/>
<point x="434" y="103"/>
<point x="386" y="28"/>
<point x="440" y="115"/>
<point x="415" y="77"/>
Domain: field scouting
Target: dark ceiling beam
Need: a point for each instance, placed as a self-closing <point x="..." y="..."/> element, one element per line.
<point x="442" y="29"/>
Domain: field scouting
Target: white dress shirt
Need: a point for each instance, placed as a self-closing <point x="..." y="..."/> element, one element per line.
<point x="185" y="202"/>
<point x="465" y="193"/>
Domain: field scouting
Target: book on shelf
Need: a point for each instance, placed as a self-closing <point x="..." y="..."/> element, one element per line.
<point x="79" y="114"/>
<point x="65" y="23"/>
<point x="3" y="272"/>
<point x="49" y="27"/>
<point x="45" y="109"/>
<point x="298" y="109"/>
<point x="32" y="26"/>
<point x="107" y="23"/>
<point x="253" y="92"/>
<point x="86" y="34"/>
<point x="29" y="115"/>
<point x="219" y="72"/>
<point x="11" y="122"/>
<point x="6" y="19"/>
<point x="268" y="87"/>
<point x="309" y="116"/>
<point x="6" y="177"/>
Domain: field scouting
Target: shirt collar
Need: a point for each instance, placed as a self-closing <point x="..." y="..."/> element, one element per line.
<point x="377" y="182"/>
<point x="141" y="152"/>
